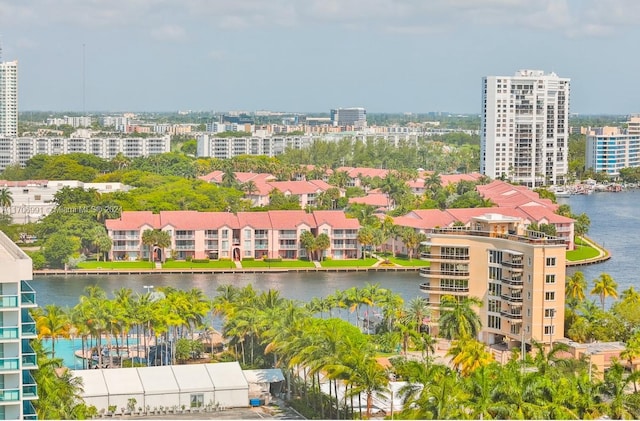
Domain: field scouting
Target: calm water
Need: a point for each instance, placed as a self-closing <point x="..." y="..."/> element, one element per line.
<point x="615" y="223"/>
<point x="65" y="290"/>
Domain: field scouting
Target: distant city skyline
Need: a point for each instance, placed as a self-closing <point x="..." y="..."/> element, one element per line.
<point x="314" y="55"/>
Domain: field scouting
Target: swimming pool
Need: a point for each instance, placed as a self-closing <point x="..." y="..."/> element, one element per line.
<point x="66" y="349"/>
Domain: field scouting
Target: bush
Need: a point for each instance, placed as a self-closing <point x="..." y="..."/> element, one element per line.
<point x="273" y="260"/>
<point x="38" y="259"/>
<point x="189" y="258"/>
<point x="248" y="259"/>
<point x="200" y="260"/>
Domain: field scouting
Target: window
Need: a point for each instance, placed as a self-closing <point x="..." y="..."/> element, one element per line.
<point x="549" y="330"/>
<point x="197" y="400"/>
<point x="493" y="322"/>
<point x="550" y="279"/>
<point x="549" y="312"/>
<point x="551" y="261"/>
<point x="549" y="296"/>
<point x="529" y="261"/>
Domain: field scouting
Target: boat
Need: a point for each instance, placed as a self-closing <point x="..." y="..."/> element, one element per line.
<point x="562" y="193"/>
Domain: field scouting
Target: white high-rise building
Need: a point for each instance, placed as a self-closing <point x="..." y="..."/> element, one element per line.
<point x="17" y="328"/>
<point x="9" y="98"/>
<point x="524" y="132"/>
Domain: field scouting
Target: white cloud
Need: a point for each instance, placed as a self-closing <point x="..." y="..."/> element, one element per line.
<point x="169" y="33"/>
<point x="164" y="18"/>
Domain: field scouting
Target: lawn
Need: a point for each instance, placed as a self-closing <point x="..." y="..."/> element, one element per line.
<point x="581" y="253"/>
<point x="348" y="263"/>
<point x="406" y="262"/>
<point x="116" y="265"/>
<point x="212" y="264"/>
<point x="281" y="264"/>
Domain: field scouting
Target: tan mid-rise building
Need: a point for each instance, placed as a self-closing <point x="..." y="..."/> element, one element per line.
<point x="519" y="277"/>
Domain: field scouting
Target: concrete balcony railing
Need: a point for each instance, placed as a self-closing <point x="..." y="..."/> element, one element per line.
<point x="443" y="257"/>
<point x="440" y="289"/>
<point x="432" y="273"/>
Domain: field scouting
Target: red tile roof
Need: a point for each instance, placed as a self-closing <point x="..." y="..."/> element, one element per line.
<point x="336" y="219"/>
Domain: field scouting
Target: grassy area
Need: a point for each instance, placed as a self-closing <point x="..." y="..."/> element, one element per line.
<point x="116" y="265"/>
<point x="348" y="263"/>
<point x="582" y="252"/>
<point x="212" y="264"/>
<point x="281" y="264"/>
<point x="406" y="262"/>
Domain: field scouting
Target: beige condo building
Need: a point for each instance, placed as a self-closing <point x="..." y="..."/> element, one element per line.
<point x="519" y="278"/>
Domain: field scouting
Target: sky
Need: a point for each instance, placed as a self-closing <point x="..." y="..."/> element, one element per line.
<point x="313" y="55"/>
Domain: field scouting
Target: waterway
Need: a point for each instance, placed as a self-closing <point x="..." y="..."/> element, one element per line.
<point x="615" y="224"/>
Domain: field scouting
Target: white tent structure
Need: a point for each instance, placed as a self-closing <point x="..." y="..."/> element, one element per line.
<point x="95" y="390"/>
<point x="122" y="385"/>
<point x="160" y="387"/>
<point x="229" y="383"/>
<point x="194" y="385"/>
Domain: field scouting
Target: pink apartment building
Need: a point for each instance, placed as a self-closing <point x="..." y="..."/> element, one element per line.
<point x="224" y="235"/>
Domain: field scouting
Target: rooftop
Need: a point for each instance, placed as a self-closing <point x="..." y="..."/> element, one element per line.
<point x="512" y="237"/>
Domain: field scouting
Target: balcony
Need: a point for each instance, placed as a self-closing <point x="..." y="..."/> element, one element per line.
<point x="29" y="387"/>
<point x="443" y="257"/>
<point x="514" y="299"/>
<point x="27" y="295"/>
<point x="185" y="247"/>
<point x="290" y="236"/>
<point x="511" y="237"/>
<point x="8" y="301"/>
<point x="9" y="364"/>
<point x="28" y="325"/>
<point x="9" y="395"/>
<point x="29" y="411"/>
<point x="9" y="333"/>
<point x="288" y="247"/>
<point x="185" y="237"/>
<point x="450" y="290"/>
<point x="431" y="273"/>
<point x="511" y="315"/>
<point x="514" y="266"/>
<point x="513" y="281"/>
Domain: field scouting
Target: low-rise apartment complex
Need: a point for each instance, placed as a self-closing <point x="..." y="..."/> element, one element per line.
<point x="224" y="235"/>
<point x="518" y="276"/>
<point x="20" y="149"/>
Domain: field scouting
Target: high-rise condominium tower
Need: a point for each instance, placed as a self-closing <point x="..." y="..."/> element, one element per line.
<point x="524" y="129"/>
<point x="9" y="98"/>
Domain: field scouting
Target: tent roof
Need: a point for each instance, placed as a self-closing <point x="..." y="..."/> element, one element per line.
<point x="92" y="381"/>
<point x="122" y="381"/>
<point x="158" y="380"/>
<point x="192" y="378"/>
<point x="265" y="375"/>
<point x="227" y="376"/>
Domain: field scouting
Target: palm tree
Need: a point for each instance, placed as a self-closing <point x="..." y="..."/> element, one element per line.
<point x="576" y="286"/>
<point x="54" y="323"/>
<point x="631" y="352"/>
<point x="458" y="319"/>
<point x="6" y="199"/>
<point x="469" y="354"/>
<point x="418" y="309"/>
<point x="156" y="238"/>
<point x="605" y="286"/>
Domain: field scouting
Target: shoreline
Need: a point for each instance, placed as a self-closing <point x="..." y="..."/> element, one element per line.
<point x="84" y="272"/>
<point x="603" y="256"/>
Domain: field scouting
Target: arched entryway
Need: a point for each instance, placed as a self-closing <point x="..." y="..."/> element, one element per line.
<point x="236" y="254"/>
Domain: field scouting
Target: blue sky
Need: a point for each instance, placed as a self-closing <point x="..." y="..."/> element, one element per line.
<point x="313" y="55"/>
